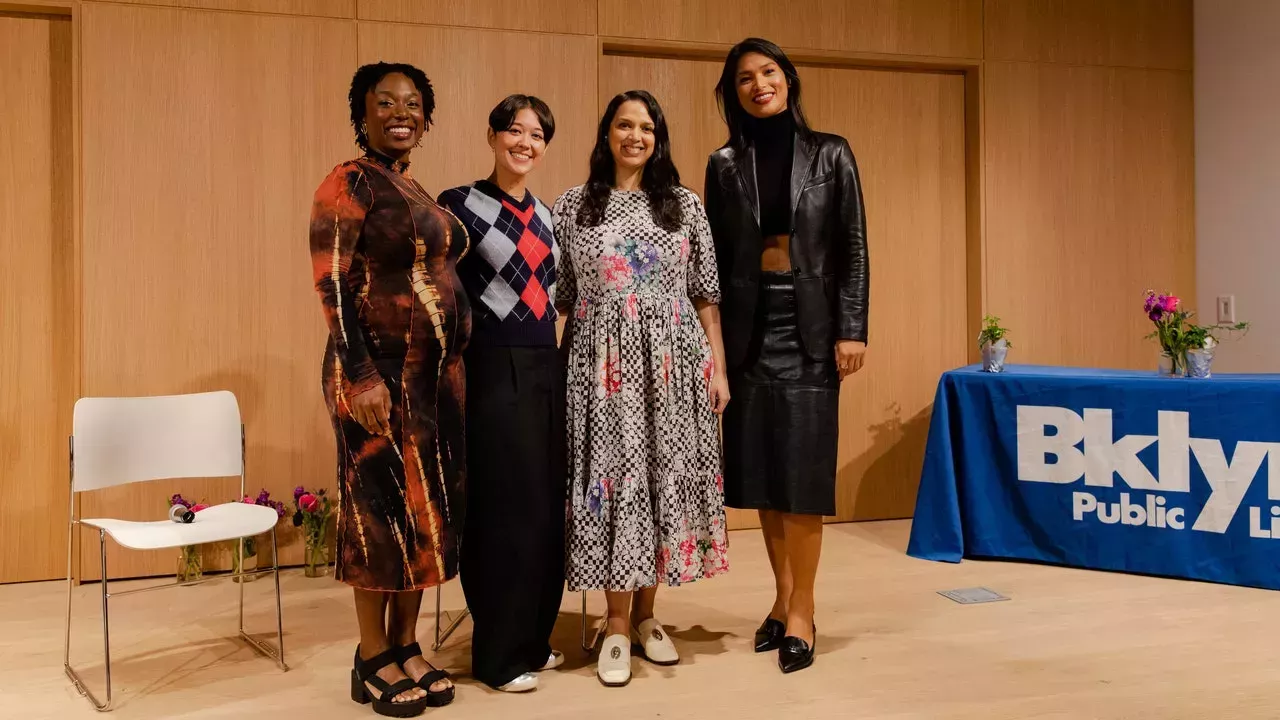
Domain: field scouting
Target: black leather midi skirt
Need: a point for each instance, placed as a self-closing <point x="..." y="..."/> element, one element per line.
<point x="781" y="425"/>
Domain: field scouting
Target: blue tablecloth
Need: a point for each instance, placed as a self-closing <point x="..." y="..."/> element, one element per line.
<point x="1105" y="469"/>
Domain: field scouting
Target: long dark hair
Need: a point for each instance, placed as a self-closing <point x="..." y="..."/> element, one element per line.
<point x="735" y="116"/>
<point x="660" y="178"/>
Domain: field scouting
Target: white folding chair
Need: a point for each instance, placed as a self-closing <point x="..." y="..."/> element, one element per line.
<point x="117" y="441"/>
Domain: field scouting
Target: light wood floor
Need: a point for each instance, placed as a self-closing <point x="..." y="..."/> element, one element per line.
<point x="1069" y="644"/>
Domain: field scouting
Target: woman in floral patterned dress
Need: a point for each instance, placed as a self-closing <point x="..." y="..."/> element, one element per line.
<point x="638" y="284"/>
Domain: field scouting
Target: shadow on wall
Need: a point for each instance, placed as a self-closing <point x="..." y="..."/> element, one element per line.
<point x="887" y="475"/>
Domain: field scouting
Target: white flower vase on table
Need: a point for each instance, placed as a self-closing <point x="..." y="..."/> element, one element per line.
<point x="1187" y="348"/>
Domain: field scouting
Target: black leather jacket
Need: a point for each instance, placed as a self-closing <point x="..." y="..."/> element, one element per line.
<point x="828" y="244"/>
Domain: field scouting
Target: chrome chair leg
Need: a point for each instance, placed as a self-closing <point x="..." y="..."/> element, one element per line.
<point x="595" y="638"/>
<point x="81" y="687"/>
<point x="276" y="653"/>
<point x="442" y="635"/>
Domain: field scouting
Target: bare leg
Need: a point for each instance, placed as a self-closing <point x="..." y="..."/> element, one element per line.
<point x="371" y="614"/>
<point x="403" y="630"/>
<point x="804" y="546"/>
<point x="642" y="605"/>
<point x="775" y="545"/>
<point x="618" y="620"/>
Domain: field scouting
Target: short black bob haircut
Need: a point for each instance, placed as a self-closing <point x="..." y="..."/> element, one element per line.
<point x="368" y="77"/>
<point x="503" y="115"/>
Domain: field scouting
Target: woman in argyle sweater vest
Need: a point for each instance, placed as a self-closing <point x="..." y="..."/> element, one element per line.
<point x="512" y="556"/>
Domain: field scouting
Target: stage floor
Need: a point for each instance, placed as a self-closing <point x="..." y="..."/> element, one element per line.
<point x="1069" y="644"/>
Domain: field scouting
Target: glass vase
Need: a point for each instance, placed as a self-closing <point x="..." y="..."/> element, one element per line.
<point x="316" y="555"/>
<point x="190" y="563"/>
<point x="1172" y="365"/>
<point x="250" y="559"/>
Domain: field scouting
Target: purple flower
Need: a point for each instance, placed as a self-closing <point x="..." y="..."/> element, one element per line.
<point x="298" y="492"/>
<point x="595" y="498"/>
<point x="1154" y="315"/>
<point x="644" y="258"/>
<point x="177" y="499"/>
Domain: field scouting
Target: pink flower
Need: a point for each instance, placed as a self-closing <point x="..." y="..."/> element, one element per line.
<point x="631" y="310"/>
<point x="1170" y="303"/>
<point x="617" y="271"/>
<point x="309" y="502"/>
<point x="198" y="507"/>
<point x="612" y="376"/>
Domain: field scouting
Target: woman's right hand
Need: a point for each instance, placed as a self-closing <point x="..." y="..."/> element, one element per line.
<point x="372" y="409"/>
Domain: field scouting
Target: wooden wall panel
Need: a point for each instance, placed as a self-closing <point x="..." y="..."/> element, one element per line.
<point x="37" y="291"/>
<point x="943" y="28"/>
<point x="199" y="174"/>
<point x="558" y="16"/>
<point x="561" y="69"/>
<point x="907" y="131"/>
<point x="1132" y="33"/>
<point x="1090" y="202"/>
<point x="314" y="8"/>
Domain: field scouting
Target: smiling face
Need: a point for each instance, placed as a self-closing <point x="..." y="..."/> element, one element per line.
<point x="761" y="85"/>
<point x="393" y="119"/>
<point x="517" y="150"/>
<point x="631" y="138"/>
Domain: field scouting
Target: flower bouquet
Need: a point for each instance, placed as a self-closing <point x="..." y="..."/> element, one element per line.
<point x="190" y="560"/>
<point x="1182" y="343"/>
<point x="311" y="513"/>
<point x="250" y="544"/>
<point x="994" y="344"/>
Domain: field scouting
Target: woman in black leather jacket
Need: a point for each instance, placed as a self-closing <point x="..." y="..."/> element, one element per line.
<point x="785" y="207"/>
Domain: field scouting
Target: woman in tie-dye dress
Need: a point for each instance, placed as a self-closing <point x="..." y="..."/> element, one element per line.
<point x="383" y="256"/>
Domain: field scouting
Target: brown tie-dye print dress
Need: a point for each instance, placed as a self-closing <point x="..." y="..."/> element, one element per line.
<point x="383" y="254"/>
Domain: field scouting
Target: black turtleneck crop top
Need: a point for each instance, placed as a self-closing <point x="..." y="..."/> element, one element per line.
<point x="774" y="141"/>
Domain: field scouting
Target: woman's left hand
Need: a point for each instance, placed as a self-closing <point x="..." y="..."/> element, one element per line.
<point x="849" y="356"/>
<point x="719" y="392"/>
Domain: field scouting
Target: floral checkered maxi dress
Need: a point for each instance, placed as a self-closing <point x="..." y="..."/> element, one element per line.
<point x="646" y="495"/>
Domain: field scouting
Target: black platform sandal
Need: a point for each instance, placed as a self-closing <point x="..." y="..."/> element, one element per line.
<point x="383" y="703"/>
<point x="433" y="676"/>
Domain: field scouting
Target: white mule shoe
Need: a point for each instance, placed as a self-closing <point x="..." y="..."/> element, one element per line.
<point x="613" y="667"/>
<point x="525" y="682"/>
<point x="555" y="660"/>
<point x="657" y="646"/>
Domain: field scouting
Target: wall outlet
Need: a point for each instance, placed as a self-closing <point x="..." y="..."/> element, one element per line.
<point x="1226" y="308"/>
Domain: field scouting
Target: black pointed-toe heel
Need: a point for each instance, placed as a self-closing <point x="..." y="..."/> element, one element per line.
<point x="769" y="635"/>
<point x="433" y="676"/>
<point x="365" y="671"/>
<point x="796" y="654"/>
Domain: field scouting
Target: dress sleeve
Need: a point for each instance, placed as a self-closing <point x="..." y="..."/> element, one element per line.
<point x="563" y="217"/>
<point x="703" y="277"/>
<point x="337" y="218"/>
